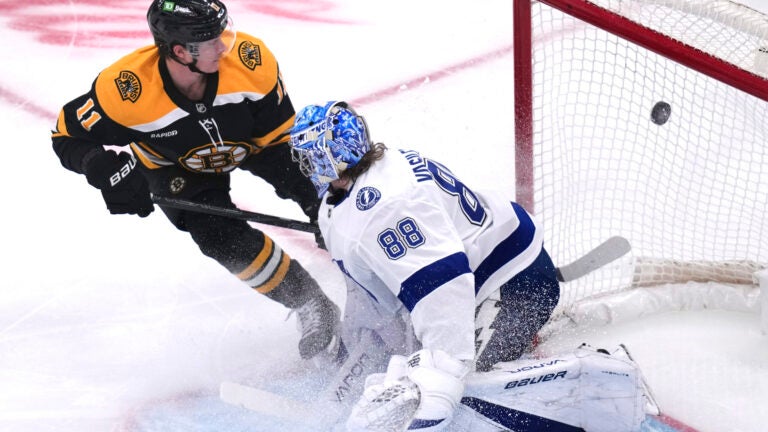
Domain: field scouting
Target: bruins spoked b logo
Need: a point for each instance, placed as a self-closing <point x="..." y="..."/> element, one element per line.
<point x="215" y="159"/>
<point x="177" y="184"/>
<point x="128" y="85"/>
<point x="250" y="54"/>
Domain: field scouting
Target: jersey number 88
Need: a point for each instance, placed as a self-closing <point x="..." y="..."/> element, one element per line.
<point x="396" y="241"/>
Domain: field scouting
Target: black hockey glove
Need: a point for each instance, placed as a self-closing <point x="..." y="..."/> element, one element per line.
<point x="124" y="189"/>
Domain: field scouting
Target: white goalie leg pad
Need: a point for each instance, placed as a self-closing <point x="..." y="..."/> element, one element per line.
<point x="592" y="390"/>
<point x="368" y="357"/>
<point x="362" y="313"/>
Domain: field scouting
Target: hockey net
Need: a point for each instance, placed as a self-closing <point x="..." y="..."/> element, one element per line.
<point x="688" y="190"/>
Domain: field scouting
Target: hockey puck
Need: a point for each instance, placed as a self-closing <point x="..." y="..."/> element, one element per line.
<point x="661" y="112"/>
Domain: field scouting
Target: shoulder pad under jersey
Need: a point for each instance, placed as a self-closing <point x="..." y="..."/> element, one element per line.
<point x="250" y="69"/>
<point x="131" y="92"/>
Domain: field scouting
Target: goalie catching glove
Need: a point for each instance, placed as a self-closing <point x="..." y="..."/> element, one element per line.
<point x="419" y="392"/>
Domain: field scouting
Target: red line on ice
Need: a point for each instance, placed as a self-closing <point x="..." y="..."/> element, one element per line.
<point x="13" y="98"/>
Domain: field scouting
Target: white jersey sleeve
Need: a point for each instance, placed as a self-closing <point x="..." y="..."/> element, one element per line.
<point x="419" y="256"/>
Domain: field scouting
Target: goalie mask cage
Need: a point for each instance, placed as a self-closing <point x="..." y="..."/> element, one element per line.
<point x="592" y="161"/>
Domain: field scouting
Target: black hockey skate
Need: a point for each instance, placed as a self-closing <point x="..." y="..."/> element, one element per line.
<point x="319" y="322"/>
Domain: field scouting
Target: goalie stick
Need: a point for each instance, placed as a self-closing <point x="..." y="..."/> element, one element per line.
<point x="327" y="408"/>
<point x="607" y="252"/>
<point x="267" y="402"/>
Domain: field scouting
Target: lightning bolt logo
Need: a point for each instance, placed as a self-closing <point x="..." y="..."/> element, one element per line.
<point x="485" y="315"/>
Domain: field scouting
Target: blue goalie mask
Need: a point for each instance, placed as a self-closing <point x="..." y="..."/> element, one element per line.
<point x="326" y="140"/>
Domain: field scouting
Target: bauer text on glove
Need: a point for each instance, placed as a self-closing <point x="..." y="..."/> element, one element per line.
<point x="123" y="188"/>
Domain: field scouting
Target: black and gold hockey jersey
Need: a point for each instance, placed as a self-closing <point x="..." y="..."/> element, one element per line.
<point x="134" y="102"/>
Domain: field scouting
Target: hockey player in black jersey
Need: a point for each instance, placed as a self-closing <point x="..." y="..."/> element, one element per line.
<point x="199" y="103"/>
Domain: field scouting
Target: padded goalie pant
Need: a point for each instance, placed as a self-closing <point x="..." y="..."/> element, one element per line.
<point x="507" y="321"/>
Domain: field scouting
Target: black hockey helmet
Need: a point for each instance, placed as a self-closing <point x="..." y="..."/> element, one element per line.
<point x="174" y="22"/>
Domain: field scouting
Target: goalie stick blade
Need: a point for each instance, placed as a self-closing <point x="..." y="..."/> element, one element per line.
<point x="331" y="404"/>
<point x="289" y="412"/>
<point x="607" y="252"/>
<point x="266" y="402"/>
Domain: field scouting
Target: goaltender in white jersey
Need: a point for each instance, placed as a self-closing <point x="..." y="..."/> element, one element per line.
<point x="413" y="235"/>
<point x="468" y="272"/>
<point x="469" y="268"/>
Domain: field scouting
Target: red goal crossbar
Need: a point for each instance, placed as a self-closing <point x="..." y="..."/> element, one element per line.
<point x="624" y="28"/>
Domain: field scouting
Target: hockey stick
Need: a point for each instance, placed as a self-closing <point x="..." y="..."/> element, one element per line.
<point x="607" y="252"/>
<point x="234" y="213"/>
<point x="328" y="406"/>
<point x="267" y="402"/>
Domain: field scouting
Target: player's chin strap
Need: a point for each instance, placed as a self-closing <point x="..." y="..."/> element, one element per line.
<point x="192" y="66"/>
<point x="419" y="392"/>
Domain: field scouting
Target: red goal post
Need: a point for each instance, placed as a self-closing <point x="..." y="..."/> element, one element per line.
<point x="598" y="154"/>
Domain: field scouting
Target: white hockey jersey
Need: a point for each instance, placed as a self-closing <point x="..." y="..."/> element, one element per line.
<point x="413" y="235"/>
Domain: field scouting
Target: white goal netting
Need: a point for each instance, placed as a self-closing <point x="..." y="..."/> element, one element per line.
<point x="687" y="185"/>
